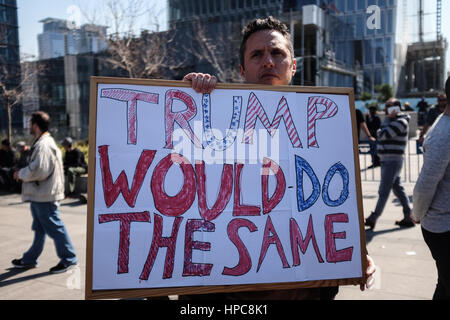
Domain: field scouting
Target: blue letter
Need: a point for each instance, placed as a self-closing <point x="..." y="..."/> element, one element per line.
<point x="300" y="166"/>
<point x="338" y="167"/>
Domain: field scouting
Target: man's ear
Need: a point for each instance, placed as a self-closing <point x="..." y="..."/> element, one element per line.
<point x="294" y="66"/>
<point x="242" y="72"/>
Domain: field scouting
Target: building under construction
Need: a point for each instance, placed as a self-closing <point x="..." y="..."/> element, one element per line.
<point x="424" y="71"/>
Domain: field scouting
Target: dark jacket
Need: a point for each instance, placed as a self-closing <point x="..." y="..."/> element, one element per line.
<point x="74" y="158"/>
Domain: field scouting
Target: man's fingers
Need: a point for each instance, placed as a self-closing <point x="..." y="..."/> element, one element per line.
<point x="201" y="83"/>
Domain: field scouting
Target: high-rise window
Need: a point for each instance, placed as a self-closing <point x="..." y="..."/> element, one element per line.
<point x="350" y="5"/>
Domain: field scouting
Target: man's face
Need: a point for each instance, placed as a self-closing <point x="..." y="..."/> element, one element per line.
<point x="267" y="59"/>
<point x="33" y="127"/>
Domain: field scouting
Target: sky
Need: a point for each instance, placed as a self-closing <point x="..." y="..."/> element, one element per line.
<point x="30" y="12"/>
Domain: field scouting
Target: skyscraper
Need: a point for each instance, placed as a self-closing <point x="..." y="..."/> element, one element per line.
<point x="59" y="38"/>
<point x="9" y="58"/>
<point x="353" y="43"/>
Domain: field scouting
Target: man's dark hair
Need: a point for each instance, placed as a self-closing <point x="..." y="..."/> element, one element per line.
<point x="269" y="23"/>
<point x="41" y="119"/>
<point x="6" y="143"/>
<point x="447" y="90"/>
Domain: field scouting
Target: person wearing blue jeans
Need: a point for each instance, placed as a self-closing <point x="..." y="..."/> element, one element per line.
<point x="43" y="186"/>
<point x="390" y="180"/>
<point x="46" y="221"/>
<point x="392" y="140"/>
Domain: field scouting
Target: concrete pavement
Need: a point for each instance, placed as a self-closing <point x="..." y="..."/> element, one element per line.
<point x="405" y="268"/>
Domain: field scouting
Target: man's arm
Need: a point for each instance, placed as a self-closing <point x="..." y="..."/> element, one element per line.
<point x="366" y="131"/>
<point x="201" y="82"/>
<point x="40" y="167"/>
<point x="393" y="129"/>
<point x="436" y="160"/>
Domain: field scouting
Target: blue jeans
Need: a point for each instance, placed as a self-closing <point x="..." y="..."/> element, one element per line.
<point x="390" y="180"/>
<point x="46" y="221"/>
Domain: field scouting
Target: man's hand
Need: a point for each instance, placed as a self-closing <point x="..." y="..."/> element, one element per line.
<point x="369" y="274"/>
<point x="411" y="216"/>
<point x="201" y="82"/>
<point x="16" y="175"/>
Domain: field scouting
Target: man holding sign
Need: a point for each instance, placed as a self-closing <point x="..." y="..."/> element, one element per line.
<point x="267" y="57"/>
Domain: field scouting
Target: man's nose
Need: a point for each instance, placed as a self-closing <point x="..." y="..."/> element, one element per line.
<point x="268" y="61"/>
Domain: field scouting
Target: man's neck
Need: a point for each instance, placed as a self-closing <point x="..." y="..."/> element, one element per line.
<point x="38" y="134"/>
<point x="447" y="110"/>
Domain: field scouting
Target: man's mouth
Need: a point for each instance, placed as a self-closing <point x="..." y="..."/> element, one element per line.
<point x="269" y="75"/>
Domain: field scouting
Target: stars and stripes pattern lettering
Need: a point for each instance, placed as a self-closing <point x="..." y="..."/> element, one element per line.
<point x="130" y="97"/>
<point x="313" y="115"/>
<point x="255" y="110"/>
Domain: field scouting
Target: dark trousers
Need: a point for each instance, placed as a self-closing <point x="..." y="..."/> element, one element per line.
<point x="439" y="244"/>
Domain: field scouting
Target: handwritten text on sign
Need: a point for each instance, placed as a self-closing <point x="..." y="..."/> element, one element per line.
<point x="234" y="187"/>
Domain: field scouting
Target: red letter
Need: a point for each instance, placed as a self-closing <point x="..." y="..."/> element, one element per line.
<point x="224" y="196"/>
<point x="159" y="241"/>
<point x="130" y="97"/>
<point x="270" y="203"/>
<point x="245" y="262"/>
<point x="196" y="269"/>
<point x="297" y="240"/>
<point x="179" y="204"/>
<point x="124" y="243"/>
<point x="182" y="118"/>
<point x="111" y="191"/>
<point x="268" y="240"/>
<point x="255" y="110"/>
<point x="330" y="110"/>
<point x="333" y="255"/>
<point x="240" y="209"/>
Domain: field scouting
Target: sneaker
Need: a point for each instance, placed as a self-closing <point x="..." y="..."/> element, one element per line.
<point x="83" y="199"/>
<point x="369" y="223"/>
<point x="61" y="268"/>
<point x="407" y="223"/>
<point x="18" y="263"/>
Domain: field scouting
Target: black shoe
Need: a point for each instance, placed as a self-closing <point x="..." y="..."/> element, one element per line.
<point x="83" y="199"/>
<point x="373" y="166"/>
<point x="369" y="223"/>
<point x="18" y="263"/>
<point x="61" y="268"/>
<point x="407" y="223"/>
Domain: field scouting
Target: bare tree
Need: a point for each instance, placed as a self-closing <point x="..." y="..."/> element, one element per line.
<point x="219" y="51"/>
<point x="12" y="88"/>
<point x="140" y="53"/>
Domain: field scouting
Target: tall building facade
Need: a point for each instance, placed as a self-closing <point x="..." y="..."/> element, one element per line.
<point x="9" y="59"/>
<point x="59" y="38"/>
<point x="353" y="43"/>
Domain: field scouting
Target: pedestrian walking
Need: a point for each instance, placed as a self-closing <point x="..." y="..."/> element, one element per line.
<point x="431" y="198"/>
<point x="373" y="124"/>
<point x="392" y="140"/>
<point x="43" y="186"/>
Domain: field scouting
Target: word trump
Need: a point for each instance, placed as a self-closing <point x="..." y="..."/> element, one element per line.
<point x="318" y="108"/>
<point x="193" y="186"/>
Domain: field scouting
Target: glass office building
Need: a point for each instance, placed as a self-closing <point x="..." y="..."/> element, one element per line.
<point x="351" y="47"/>
<point x="9" y="58"/>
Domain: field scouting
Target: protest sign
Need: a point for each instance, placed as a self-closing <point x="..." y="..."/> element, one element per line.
<point x="247" y="188"/>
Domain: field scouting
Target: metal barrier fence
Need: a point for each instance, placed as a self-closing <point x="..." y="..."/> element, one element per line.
<point x="412" y="163"/>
